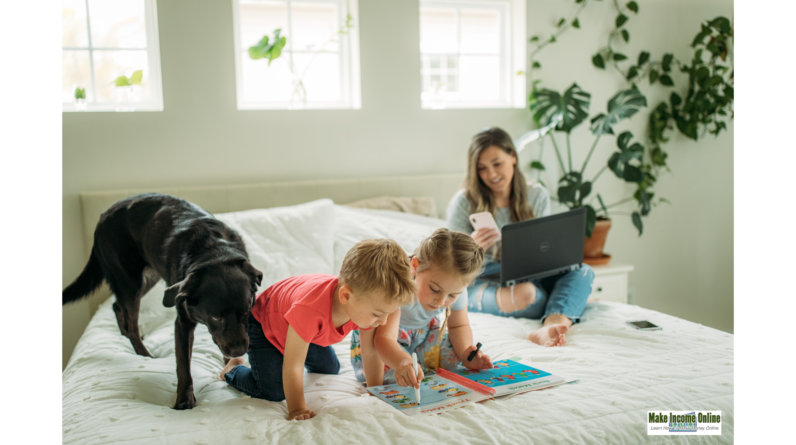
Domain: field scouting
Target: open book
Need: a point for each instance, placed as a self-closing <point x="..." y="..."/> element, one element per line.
<point x="452" y="389"/>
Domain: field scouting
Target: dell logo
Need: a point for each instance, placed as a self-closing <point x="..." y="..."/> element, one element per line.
<point x="545" y="246"/>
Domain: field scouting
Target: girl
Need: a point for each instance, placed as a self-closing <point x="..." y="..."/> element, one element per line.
<point x="495" y="184"/>
<point x="443" y="265"/>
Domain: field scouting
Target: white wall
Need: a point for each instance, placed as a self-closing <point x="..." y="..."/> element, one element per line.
<point x="683" y="261"/>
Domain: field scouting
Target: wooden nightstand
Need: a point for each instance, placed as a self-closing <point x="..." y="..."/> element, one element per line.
<point x="610" y="282"/>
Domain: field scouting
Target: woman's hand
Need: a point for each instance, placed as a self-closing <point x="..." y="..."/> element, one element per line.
<point x="480" y="361"/>
<point x="405" y="374"/>
<point x="486" y="238"/>
<point x="301" y="414"/>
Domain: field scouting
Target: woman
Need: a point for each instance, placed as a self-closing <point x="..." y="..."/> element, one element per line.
<point x="495" y="184"/>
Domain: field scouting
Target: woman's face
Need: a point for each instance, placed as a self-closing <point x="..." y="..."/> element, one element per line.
<point x="495" y="167"/>
<point x="436" y="289"/>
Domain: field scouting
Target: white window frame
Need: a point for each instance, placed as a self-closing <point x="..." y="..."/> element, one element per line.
<point x="350" y="85"/>
<point x="153" y="60"/>
<point x="513" y="57"/>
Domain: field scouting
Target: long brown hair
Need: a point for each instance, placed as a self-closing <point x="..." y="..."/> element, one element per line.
<point x="478" y="194"/>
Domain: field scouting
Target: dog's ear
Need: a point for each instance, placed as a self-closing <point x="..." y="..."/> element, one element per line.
<point x="180" y="290"/>
<point x="255" y="274"/>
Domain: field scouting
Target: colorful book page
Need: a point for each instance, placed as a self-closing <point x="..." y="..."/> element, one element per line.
<point x="436" y="394"/>
<point x="505" y="372"/>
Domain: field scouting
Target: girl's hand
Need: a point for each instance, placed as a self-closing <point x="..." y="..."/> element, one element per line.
<point x="405" y="374"/>
<point x="301" y="414"/>
<point x="480" y="361"/>
<point x="486" y="238"/>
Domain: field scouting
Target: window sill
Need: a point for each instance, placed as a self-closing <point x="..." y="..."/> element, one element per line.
<point x="113" y="107"/>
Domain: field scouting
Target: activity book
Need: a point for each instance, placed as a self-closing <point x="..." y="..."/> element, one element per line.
<point x="451" y="389"/>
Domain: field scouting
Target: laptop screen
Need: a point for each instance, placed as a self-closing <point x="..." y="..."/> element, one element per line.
<point x="542" y="244"/>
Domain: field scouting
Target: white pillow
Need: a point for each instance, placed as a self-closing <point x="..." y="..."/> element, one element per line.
<point x="353" y="225"/>
<point x="286" y="241"/>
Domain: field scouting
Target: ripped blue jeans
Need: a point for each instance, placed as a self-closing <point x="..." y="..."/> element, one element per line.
<point x="564" y="294"/>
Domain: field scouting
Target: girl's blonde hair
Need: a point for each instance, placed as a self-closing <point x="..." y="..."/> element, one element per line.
<point x="478" y="194"/>
<point x="454" y="252"/>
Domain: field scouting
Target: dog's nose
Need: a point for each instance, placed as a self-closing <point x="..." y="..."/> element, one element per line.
<point x="238" y="349"/>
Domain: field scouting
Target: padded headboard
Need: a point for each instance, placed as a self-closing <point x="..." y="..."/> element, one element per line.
<point x="231" y="198"/>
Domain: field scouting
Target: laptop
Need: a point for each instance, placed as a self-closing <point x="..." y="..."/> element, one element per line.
<point x="541" y="247"/>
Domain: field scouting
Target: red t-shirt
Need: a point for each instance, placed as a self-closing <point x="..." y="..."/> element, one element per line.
<point x="305" y="303"/>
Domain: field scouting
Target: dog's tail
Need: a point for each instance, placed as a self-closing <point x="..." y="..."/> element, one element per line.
<point x="88" y="281"/>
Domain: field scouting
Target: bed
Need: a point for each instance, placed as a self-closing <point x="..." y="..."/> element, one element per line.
<point x="111" y="395"/>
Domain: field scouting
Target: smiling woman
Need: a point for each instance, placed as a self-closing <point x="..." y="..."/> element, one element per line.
<point x="495" y="184"/>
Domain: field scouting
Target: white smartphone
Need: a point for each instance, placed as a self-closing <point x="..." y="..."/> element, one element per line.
<point x="484" y="220"/>
<point x="644" y="325"/>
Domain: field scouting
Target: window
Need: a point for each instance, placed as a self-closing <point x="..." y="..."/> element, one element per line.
<point x="470" y="53"/>
<point x="319" y="64"/>
<point x="111" y="58"/>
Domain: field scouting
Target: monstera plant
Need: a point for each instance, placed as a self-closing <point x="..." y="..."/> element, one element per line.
<point x="704" y="106"/>
<point x="563" y="113"/>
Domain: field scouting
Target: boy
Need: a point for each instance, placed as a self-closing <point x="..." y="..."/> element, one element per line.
<point x="294" y="322"/>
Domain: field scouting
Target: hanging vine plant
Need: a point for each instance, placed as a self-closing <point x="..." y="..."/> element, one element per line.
<point x="704" y="107"/>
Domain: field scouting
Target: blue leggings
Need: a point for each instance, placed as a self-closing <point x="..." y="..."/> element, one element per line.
<point x="564" y="294"/>
<point x="264" y="379"/>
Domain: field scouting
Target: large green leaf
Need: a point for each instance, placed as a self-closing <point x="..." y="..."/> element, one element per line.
<point x="122" y="81"/>
<point x="626" y="162"/>
<point x="521" y="142"/>
<point x="270" y="50"/>
<point x="135" y="78"/>
<point x="623" y="105"/>
<point x="637" y="222"/>
<point x="572" y="107"/>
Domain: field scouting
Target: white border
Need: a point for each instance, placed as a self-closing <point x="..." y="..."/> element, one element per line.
<point x="153" y="59"/>
<point x="351" y="90"/>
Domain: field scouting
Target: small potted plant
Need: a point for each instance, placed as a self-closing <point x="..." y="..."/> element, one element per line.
<point x="80" y="97"/>
<point x="129" y="86"/>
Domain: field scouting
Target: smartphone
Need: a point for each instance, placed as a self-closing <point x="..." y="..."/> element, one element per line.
<point x="644" y="325"/>
<point x="484" y="220"/>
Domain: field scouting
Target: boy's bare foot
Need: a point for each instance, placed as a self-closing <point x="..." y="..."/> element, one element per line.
<point x="231" y="364"/>
<point x="550" y="335"/>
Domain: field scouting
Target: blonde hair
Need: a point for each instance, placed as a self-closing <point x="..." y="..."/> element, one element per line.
<point x="454" y="252"/>
<point x="478" y="194"/>
<point x="379" y="266"/>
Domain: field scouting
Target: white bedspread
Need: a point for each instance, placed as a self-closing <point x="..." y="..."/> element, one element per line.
<point x="111" y="395"/>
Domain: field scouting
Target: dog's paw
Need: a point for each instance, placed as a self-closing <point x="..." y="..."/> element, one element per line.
<point x="186" y="402"/>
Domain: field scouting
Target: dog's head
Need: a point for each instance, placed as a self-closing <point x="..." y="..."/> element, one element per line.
<point x="220" y="296"/>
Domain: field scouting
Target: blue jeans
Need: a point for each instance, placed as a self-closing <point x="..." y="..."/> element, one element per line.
<point x="564" y="294"/>
<point x="264" y="379"/>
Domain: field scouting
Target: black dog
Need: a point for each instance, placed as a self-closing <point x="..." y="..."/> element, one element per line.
<point x="141" y="239"/>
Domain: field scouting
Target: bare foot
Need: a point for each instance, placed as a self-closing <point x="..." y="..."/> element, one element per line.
<point x="231" y="364"/>
<point x="550" y="335"/>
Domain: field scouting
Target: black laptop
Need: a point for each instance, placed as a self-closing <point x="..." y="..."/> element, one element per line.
<point x="541" y="247"/>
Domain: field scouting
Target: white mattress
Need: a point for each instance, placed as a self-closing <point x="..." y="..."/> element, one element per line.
<point x="111" y="395"/>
